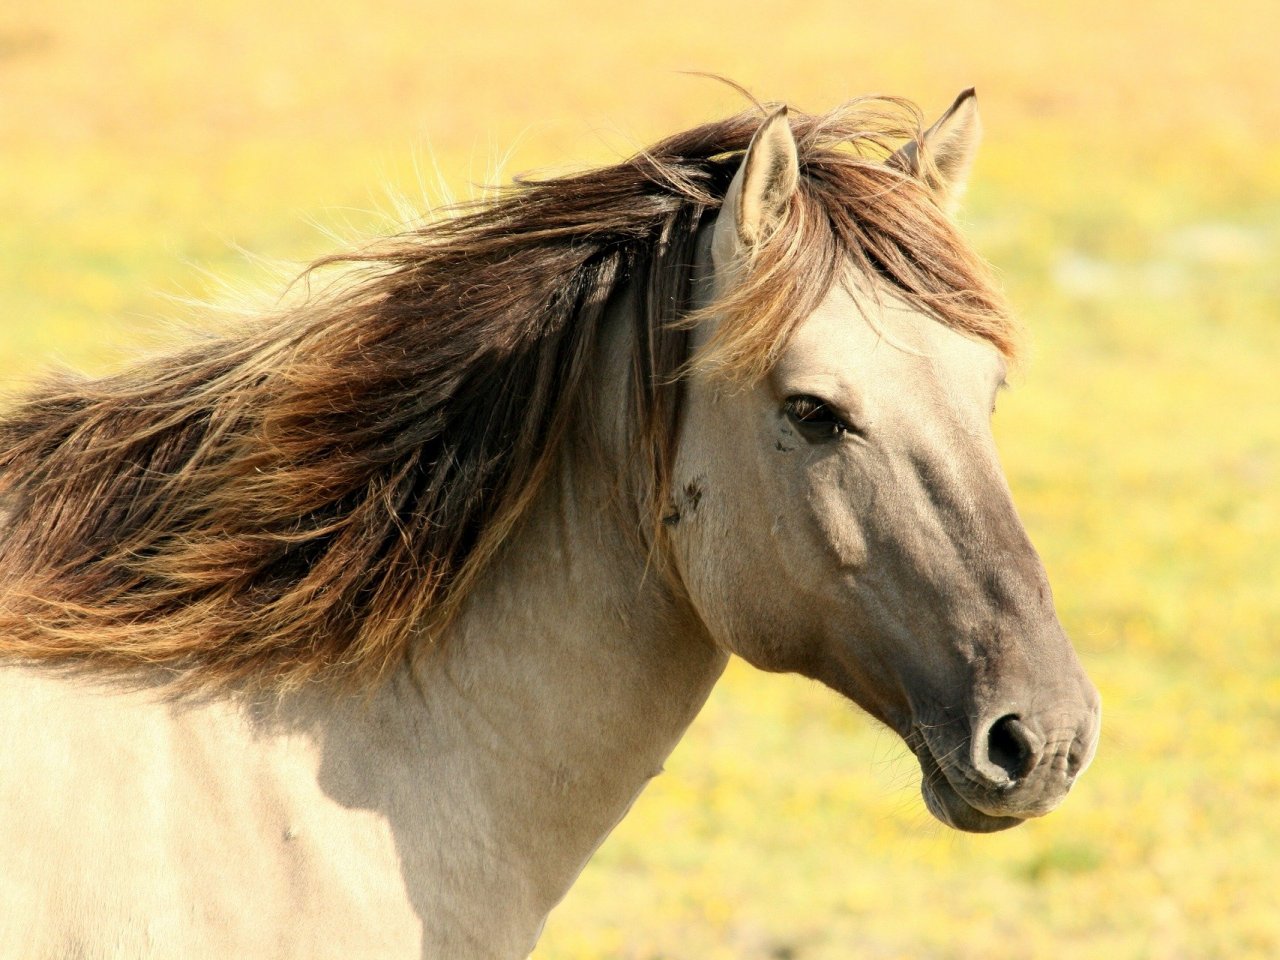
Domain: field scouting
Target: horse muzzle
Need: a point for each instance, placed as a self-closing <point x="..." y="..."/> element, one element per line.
<point x="1007" y="766"/>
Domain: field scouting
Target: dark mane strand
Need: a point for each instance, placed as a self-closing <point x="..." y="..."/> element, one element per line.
<point x="307" y="499"/>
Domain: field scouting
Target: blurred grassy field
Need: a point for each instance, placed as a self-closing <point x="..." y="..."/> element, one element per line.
<point x="1129" y="193"/>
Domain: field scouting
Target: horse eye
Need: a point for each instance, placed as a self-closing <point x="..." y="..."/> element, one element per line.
<point x="814" y="418"/>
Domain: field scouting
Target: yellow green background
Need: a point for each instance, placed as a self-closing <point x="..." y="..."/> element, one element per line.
<point x="1128" y="193"/>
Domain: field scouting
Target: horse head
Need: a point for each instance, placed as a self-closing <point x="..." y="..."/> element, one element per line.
<point x="845" y="515"/>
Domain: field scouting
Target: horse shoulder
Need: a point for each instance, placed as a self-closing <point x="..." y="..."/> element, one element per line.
<point x="134" y="826"/>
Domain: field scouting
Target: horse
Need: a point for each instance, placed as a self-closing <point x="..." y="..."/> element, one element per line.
<point x="352" y="631"/>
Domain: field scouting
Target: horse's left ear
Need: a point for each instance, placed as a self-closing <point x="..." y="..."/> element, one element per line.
<point x="761" y="191"/>
<point x="943" y="155"/>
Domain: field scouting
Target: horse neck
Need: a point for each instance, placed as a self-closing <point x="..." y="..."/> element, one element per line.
<point x="568" y="678"/>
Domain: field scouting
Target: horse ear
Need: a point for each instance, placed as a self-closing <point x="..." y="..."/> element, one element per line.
<point x="943" y="155"/>
<point x="762" y="188"/>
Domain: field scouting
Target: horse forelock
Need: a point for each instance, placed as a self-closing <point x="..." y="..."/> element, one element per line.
<point x="317" y="496"/>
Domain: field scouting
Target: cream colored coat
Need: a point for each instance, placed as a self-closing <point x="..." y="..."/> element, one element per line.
<point x="444" y="815"/>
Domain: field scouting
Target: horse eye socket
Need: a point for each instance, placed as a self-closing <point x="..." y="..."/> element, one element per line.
<point x="814" y="418"/>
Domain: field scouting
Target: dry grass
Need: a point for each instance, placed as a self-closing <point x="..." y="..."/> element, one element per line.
<point x="1130" y="194"/>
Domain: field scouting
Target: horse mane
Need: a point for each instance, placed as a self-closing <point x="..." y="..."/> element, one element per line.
<point x="314" y="496"/>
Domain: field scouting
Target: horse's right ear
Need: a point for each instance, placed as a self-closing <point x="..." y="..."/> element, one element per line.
<point x="761" y="190"/>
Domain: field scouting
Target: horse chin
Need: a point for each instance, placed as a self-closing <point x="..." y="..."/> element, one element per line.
<point x="945" y="803"/>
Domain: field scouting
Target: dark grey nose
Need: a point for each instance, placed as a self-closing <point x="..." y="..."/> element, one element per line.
<point x="1006" y="750"/>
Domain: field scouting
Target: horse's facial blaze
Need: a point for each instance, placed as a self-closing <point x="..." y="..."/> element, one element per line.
<point x="855" y="526"/>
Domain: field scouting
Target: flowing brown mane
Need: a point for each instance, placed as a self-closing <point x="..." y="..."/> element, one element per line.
<point x="307" y="498"/>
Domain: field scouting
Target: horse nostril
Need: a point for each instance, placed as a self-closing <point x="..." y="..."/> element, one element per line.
<point x="1011" y="747"/>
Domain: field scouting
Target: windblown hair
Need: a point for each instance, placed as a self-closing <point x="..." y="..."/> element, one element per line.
<point x="315" y="496"/>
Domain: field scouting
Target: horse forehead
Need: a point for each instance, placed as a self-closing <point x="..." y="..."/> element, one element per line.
<point x="855" y="334"/>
